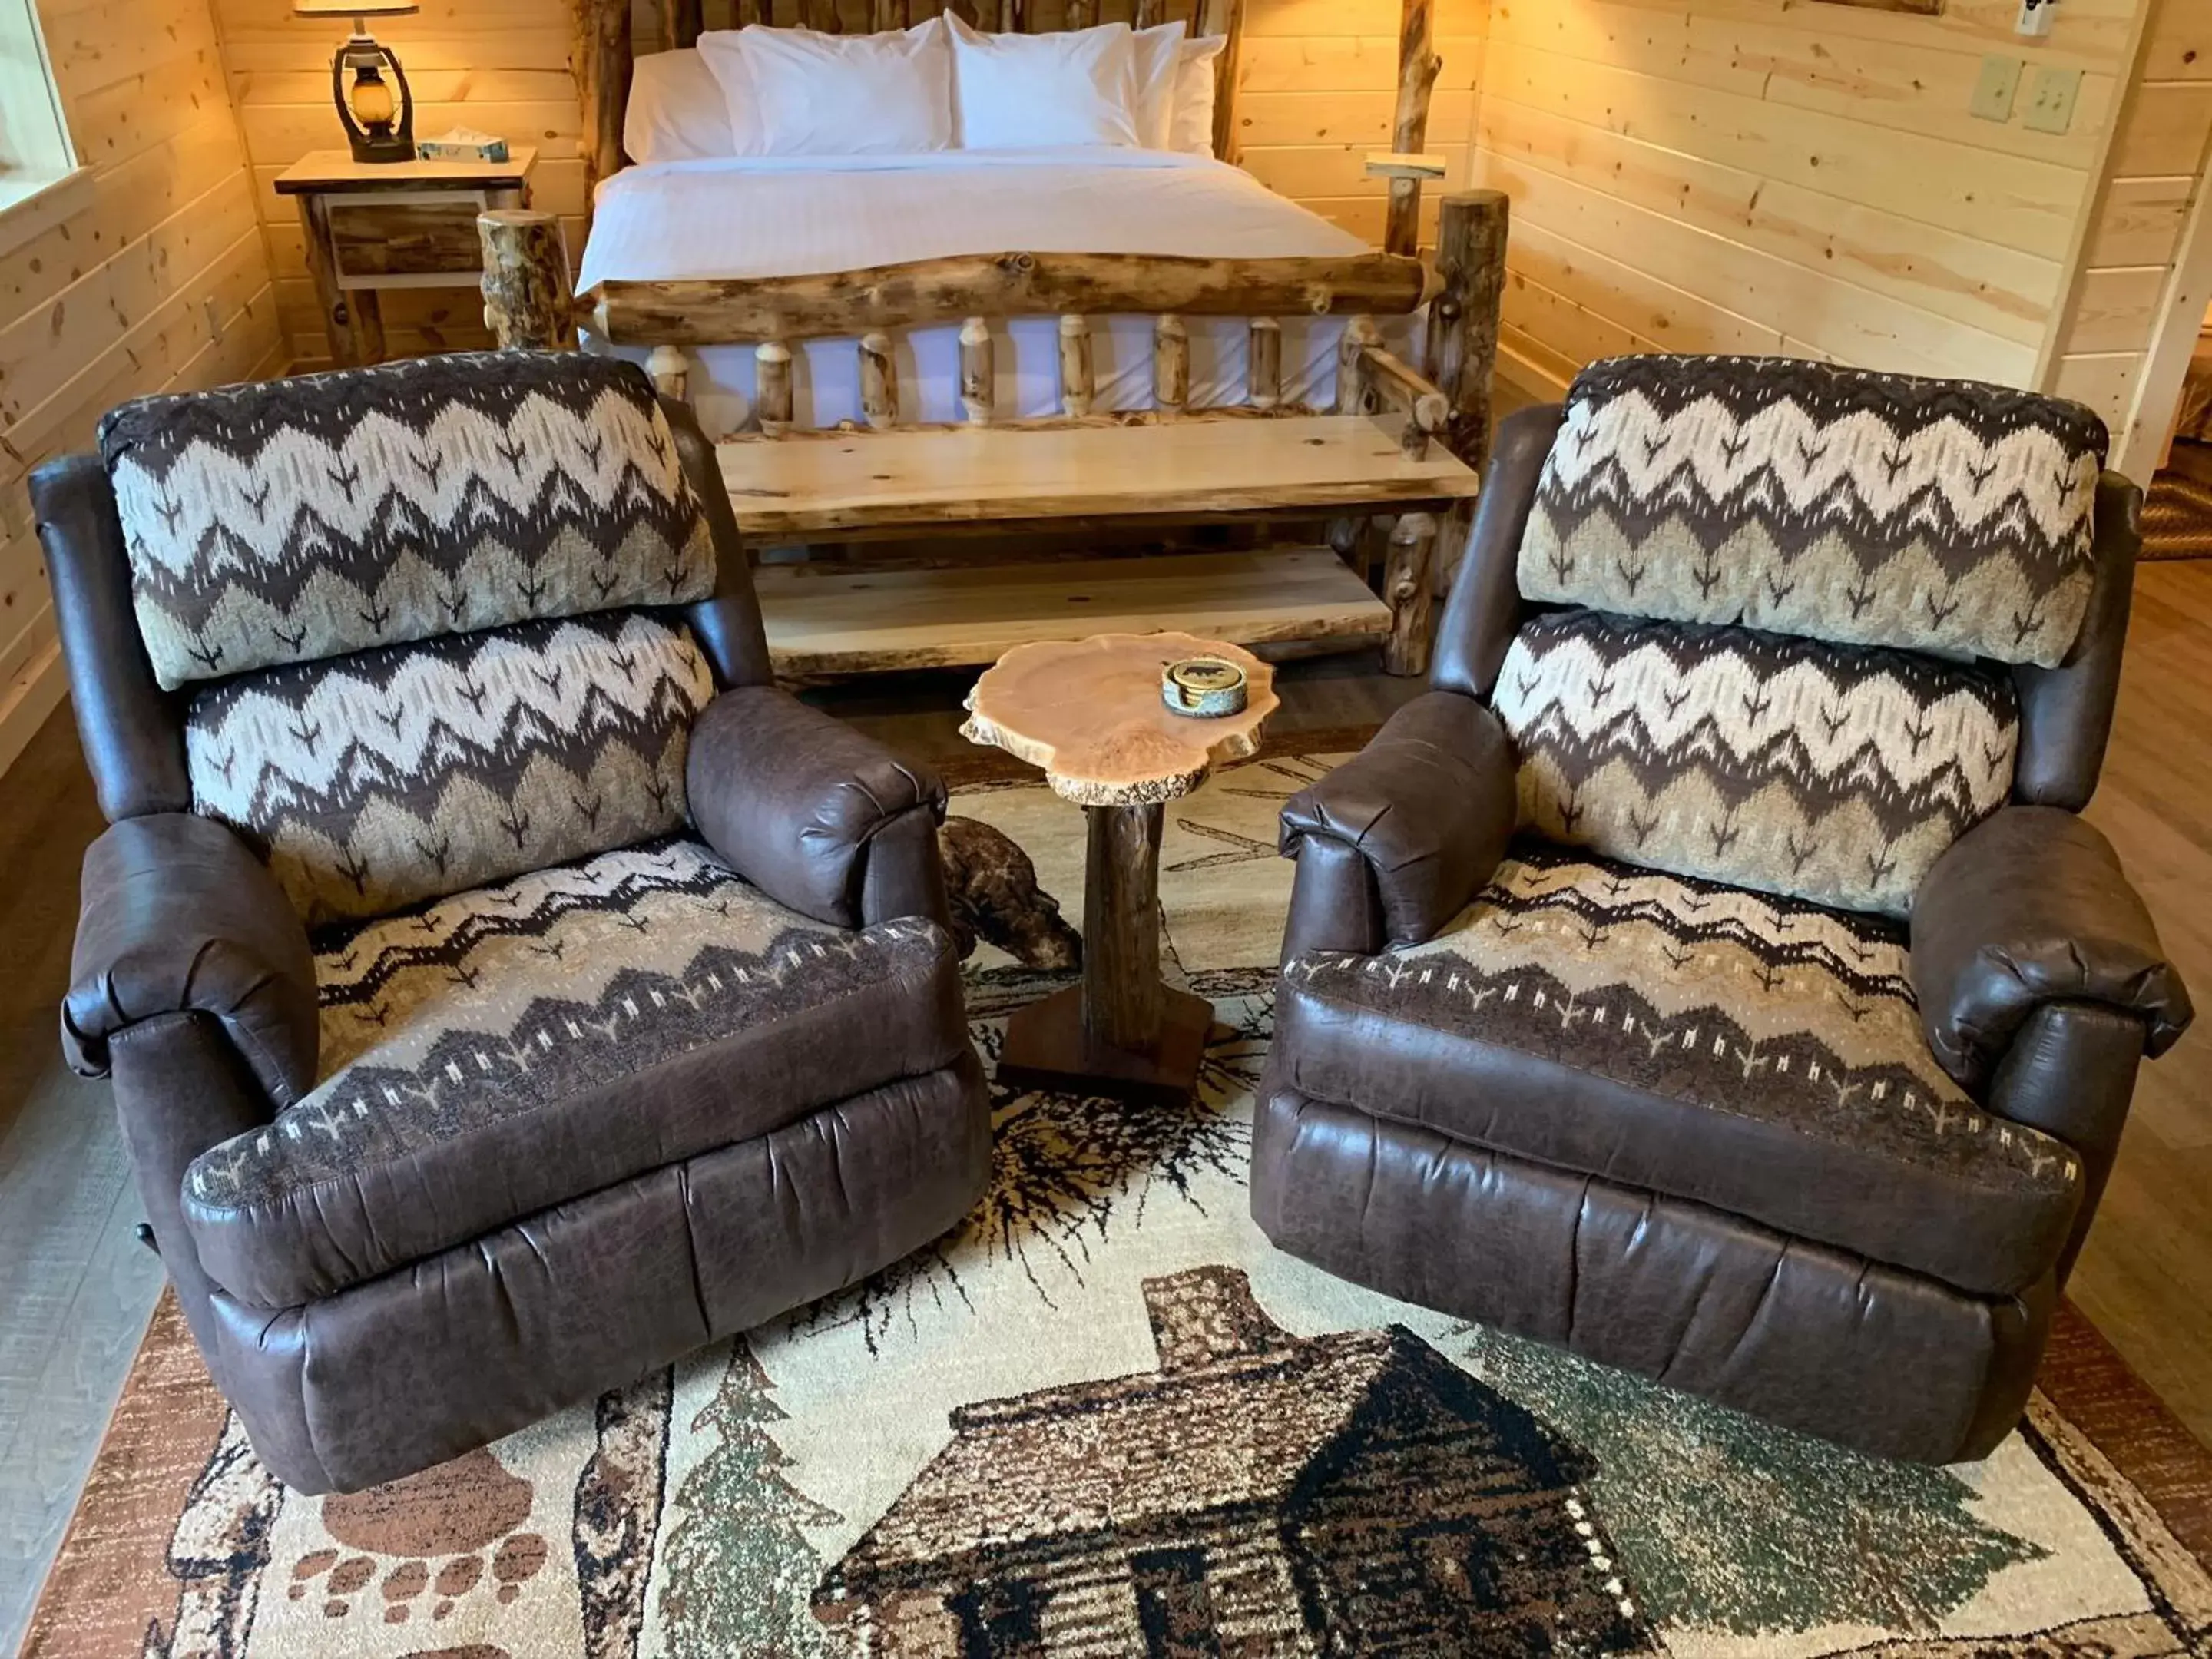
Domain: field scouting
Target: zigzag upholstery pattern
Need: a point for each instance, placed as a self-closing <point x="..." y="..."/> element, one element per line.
<point x="303" y="519"/>
<point x="1791" y="766"/>
<point x="1766" y="1008"/>
<point x="495" y="1001"/>
<point x="1797" y="497"/>
<point x="378" y="780"/>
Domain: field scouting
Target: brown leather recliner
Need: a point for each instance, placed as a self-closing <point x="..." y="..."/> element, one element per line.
<point x="506" y="987"/>
<point x="1710" y="974"/>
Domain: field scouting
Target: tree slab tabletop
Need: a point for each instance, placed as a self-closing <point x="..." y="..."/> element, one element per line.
<point x="1088" y="712"/>
<point x="926" y="479"/>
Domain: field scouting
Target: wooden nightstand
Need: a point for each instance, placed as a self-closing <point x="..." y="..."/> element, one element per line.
<point x="403" y="224"/>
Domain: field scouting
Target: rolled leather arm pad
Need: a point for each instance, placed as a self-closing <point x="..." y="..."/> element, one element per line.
<point x="793" y="798"/>
<point x="179" y="916"/>
<point x="2028" y="908"/>
<point x="1429" y="804"/>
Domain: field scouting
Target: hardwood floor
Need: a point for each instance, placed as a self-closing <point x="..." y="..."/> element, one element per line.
<point x="75" y="1289"/>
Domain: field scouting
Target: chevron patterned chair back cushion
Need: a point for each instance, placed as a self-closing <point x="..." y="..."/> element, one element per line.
<point x="1830" y="503"/>
<point x="1797" y="589"/>
<point x="378" y="780"/>
<point x="303" y="519"/>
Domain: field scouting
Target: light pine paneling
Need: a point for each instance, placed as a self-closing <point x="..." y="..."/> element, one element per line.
<point x="1750" y="176"/>
<point x="162" y="282"/>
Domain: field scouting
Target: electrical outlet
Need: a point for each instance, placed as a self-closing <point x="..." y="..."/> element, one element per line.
<point x="1995" y="90"/>
<point x="2035" y="18"/>
<point x="2051" y="100"/>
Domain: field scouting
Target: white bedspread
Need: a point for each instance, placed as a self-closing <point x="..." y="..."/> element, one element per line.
<point x="802" y="215"/>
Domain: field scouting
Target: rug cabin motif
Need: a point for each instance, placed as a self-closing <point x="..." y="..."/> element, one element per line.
<point x="1106" y="1419"/>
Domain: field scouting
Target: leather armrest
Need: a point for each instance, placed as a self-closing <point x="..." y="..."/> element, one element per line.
<point x="1429" y="805"/>
<point x="179" y="916"/>
<point x="2030" y="907"/>
<point x="795" y="800"/>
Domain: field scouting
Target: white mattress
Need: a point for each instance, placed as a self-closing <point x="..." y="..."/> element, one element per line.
<point x="805" y="216"/>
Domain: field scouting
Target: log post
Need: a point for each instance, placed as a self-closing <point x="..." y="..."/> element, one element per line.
<point x="1170" y="364"/>
<point x="604" y="48"/>
<point x="772" y="386"/>
<point x="1411" y="594"/>
<point x="979" y="370"/>
<point x="1463" y="347"/>
<point x="528" y="299"/>
<point x="670" y="371"/>
<point x="879" y="382"/>
<point x="1124" y="1003"/>
<point x="1355" y="390"/>
<point x="1078" y="373"/>
<point x="1224" y="18"/>
<point x="680" y="23"/>
<point x="1418" y="69"/>
<point x="1265" y="379"/>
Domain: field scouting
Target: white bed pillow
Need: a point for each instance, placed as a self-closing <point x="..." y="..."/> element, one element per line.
<point x="676" y="112"/>
<point x="1159" y="76"/>
<point x="1190" y="128"/>
<point x="1029" y="91"/>
<point x="794" y="92"/>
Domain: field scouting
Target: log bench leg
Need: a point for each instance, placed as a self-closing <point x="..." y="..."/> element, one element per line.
<point x="1410" y="591"/>
<point x="1122" y="1033"/>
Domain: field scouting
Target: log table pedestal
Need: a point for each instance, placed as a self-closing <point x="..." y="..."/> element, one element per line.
<point x="1089" y="712"/>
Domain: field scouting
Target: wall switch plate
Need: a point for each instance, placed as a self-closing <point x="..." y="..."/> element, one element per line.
<point x="2035" y="18"/>
<point x="2051" y="100"/>
<point x="1995" y="89"/>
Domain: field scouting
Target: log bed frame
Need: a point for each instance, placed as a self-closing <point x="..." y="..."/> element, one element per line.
<point x="1091" y="473"/>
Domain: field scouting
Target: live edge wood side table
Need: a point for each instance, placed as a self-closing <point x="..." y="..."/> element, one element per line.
<point x="1089" y="712"/>
<point x="394" y="224"/>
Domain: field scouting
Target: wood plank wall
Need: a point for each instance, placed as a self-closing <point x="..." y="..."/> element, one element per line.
<point x="2127" y="277"/>
<point x="1780" y="176"/>
<point x="1319" y="80"/>
<point x="160" y="282"/>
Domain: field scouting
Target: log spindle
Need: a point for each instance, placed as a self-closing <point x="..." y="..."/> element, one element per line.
<point x="1266" y="378"/>
<point x="772" y="398"/>
<point x="1418" y="69"/>
<point x="821" y="15"/>
<point x="1123" y="998"/>
<point x="879" y="382"/>
<point x="1149" y="14"/>
<point x="1355" y="388"/>
<point x="1082" y="14"/>
<point x="680" y="23"/>
<point x="1010" y="17"/>
<point x="749" y="12"/>
<point x="1171" y="364"/>
<point x="1410" y="593"/>
<point x="670" y="370"/>
<point x="1462" y="345"/>
<point x="884" y="15"/>
<point x="527" y="295"/>
<point x="979" y="370"/>
<point x="1079" y="374"/>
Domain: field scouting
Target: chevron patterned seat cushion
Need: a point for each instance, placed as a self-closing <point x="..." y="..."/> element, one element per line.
<point x="306" y="518"/>
<point x="378" y="780"/>
<point x="1797" y="497"/>
<point x="513" y="1047"/>
<point x="1758" y="1055"/>
<point x="1832" y="773"/>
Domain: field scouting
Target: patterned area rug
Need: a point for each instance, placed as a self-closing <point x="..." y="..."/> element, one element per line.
<point x="1105" y="1418"/>
<point x="2177" y="514"/>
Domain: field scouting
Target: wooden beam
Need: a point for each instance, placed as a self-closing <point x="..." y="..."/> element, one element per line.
<point x="718" y="311"/>
<point x="1462" y="342"/>
<point x="1406" y="167"/>
<point x="1418" y="69"/>
<point x="525" y="279"/>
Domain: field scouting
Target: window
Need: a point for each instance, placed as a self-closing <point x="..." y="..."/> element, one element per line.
<point x="40" y="182"/>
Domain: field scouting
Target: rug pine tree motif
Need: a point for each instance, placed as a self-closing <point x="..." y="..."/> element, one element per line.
<point x="1105" y="1417"/>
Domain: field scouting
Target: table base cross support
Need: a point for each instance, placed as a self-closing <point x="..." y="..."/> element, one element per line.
<point x="1122" y="1033"/>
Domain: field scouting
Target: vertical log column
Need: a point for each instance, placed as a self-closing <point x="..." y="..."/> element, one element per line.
<point x="879" y="382"/>
<point x="527" y="299"/>
<point x="1079" y="372"/>
<point x="772" y="398"/>
<point x="1265" y="380"/>
<point x="1411" y="594"/>
<point x="1224" y="18"/>
<point x="1418" y="69"/>
<point x="1462" y="352"/>
<point x="1170" y="365"/>
<point x="604" y="49"/>
<point x="1123" y="998"/>
<point x="979" y="370"/>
